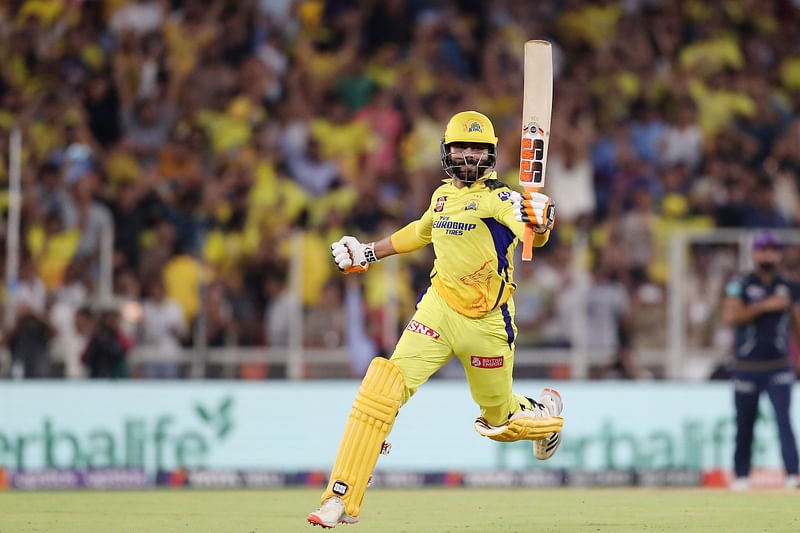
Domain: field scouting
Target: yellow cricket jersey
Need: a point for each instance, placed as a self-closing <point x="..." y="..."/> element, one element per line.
<point x="474" y="233"/>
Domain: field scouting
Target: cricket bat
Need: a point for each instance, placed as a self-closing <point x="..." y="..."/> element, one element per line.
<point x="537" y="102"/>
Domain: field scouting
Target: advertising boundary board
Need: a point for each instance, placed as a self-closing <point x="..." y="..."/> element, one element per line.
<point x="291" y="427"/>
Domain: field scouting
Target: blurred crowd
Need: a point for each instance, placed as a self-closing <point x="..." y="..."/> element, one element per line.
<point x="203" y="134"/>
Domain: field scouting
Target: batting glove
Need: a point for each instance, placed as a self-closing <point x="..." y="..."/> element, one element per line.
<point x="352" y="256"/>
<point x="536" y="209"/>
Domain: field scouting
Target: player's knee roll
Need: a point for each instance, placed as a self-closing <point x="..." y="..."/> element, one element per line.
<point x="381" y="390"/>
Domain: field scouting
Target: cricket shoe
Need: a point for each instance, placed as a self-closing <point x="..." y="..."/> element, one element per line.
<point x="740" y="484"/>
<point x="331" y="514"/>
<point x="550" y="401"/>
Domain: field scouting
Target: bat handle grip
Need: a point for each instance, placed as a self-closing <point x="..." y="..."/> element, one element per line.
<point x="527" y="243"/>
<point x="527" y="240"/>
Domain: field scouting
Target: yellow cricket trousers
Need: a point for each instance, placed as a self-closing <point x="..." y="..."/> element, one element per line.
<point x="485" y="347"/>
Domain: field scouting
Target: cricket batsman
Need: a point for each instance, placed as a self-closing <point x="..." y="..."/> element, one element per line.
<point x="474" y="222"/>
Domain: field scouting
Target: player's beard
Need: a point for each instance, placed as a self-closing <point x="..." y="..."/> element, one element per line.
<point x="467" y="173"/>
<point x="767" y="268"/>
<point x="469" y="169"/>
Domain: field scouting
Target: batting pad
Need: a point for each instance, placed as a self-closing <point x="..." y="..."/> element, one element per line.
<point x="371" y="418"/>
<point x="522" y="426"/>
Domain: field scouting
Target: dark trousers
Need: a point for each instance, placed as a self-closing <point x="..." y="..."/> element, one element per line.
<point x="747" y="389"/>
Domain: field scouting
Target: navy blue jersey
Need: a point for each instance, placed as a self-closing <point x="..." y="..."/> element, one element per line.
<point x="767" y="336"/>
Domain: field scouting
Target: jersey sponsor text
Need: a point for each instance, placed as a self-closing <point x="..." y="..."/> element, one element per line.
<point x="416" y="327"/>
<point x="452" y="227"/>
<point x="486" y="362"/>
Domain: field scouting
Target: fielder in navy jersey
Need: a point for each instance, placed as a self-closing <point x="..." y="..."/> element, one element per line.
<point x="763" y="307"/>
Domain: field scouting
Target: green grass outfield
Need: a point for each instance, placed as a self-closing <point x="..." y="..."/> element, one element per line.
<point x="412" y="511"/>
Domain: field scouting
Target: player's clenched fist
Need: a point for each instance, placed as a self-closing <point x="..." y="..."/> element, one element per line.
<point x="352" y="256"/>
<point x="534" y="208"/>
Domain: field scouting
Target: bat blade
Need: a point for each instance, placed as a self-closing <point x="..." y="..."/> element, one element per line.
<point x="537" y="104"/>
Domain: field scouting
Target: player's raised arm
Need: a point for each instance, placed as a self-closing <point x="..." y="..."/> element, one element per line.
<point x="351" y="255"/>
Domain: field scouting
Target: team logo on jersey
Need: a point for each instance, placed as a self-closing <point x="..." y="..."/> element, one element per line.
<point x="440" y="204"/>
<point x="471" y="206"/>
<point x="416" y="327"/>
<point x="504" y="195"/>
<point x="474" y="127"/>
<point x="486" y="362"/>
<point x="755" y="292"/>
